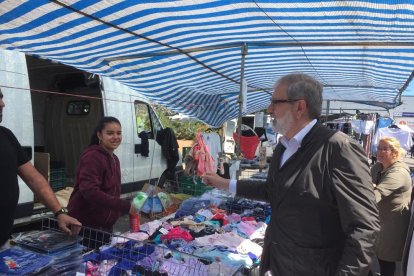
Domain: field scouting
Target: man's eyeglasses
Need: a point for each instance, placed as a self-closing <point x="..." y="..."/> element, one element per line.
<point x="275" y="102"/>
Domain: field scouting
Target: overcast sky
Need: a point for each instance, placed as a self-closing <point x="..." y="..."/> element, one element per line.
<point x="410" y="90"/>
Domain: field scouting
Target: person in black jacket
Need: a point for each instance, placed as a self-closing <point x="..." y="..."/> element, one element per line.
<point x="324" y="218"/>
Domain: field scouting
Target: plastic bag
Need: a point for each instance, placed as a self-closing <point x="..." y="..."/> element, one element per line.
<point x="165" y="199"/>
<point x="152" y="200"/>
<point x="152" y="205"/>
<point x="139" y="200"/>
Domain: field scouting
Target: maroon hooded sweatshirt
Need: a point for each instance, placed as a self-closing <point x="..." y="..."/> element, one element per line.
<point x="95" y="200"/>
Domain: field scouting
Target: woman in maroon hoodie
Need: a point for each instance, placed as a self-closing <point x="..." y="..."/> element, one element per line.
<point x="95" y="200"/>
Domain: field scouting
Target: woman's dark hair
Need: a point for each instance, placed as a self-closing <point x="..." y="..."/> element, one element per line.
<point x="101" y="125"/>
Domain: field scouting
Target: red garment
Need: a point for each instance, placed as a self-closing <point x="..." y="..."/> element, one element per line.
<point x="222" y="217"/>
<point x="248" y="219"/>
<point x="248" y="145"/>
<point x="177" y="233"/>
<point x="95" y="200"/>
<point x="215" y="210"/>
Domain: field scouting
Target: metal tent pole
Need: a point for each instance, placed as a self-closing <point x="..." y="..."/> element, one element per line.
<point x="328" y="103"/>
<point x="241" y="98"/>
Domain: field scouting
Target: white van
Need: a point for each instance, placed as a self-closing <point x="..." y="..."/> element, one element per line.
<point x="53" y="109"/>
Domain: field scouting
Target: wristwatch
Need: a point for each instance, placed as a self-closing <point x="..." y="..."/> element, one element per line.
<point x="62" y="210"/>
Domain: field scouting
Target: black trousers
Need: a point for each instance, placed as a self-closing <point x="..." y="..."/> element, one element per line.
<point x="386" y="268"/>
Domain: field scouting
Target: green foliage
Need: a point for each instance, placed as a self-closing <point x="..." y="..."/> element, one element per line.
<point x="183" y="130"/>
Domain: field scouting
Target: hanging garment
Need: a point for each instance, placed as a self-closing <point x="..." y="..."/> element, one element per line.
<point x="248" y="144"/>
<point x="144" y="143"/>
<point x="213" y="142"/>
<point x="169" y="147"/>
<point x="202" y="154"/>
<point x="404" y="137"/>
<point x="362" y="126"/>
<point x="384" y="122"/>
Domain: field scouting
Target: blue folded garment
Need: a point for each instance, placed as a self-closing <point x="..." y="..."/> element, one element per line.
<point x="18" y="261"/>
<point x="191" y="206"/>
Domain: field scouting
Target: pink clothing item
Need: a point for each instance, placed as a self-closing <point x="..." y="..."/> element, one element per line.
<point x="91" y="269"/>
<point x="202" y="154"/>
<point x="177" y="233"/>
<point x="247" y="227"/>
<point x="233" y="218"/>
<point x="138" y="236"/>
<point x="260" y="231"/>
<point x="248" y="219"/>
<point x="167" y="226"/>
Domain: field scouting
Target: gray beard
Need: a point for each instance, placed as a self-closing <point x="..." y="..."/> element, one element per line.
<point x="274" y="125"/>
<point x="281" y="128"/>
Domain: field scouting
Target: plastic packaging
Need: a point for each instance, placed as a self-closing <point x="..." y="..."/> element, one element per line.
<point x="165" y="200"/>
<point x="47" y="241"/>
<point x="139" y="200"/>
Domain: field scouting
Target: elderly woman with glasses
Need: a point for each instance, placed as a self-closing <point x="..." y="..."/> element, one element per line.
<point x="392" y="181"/>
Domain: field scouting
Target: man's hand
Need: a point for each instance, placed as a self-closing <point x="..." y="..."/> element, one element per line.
<point x="69" y="225"/>
<point x="38" y="184"/>
<point x="216" y="181"/>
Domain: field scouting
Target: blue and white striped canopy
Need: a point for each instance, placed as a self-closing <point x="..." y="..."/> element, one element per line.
<point x="187" y="55"/>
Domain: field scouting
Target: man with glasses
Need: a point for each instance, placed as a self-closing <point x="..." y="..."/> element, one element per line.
<point x="13" y="163"/>
<point x="324" y="218"/>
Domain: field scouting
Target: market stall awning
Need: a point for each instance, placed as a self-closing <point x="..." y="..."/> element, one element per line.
<point x="186" y="55"/>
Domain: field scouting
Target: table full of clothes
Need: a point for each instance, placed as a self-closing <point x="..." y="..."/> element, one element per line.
<point x="211" y="234"/>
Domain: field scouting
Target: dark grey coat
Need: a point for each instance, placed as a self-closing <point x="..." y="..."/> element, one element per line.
<point x="324" y="216"/>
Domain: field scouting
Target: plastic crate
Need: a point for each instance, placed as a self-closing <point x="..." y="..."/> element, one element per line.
<point x="57" y="179"/>
<point x="193" y="186"/>
<point x="58" y="184"/>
